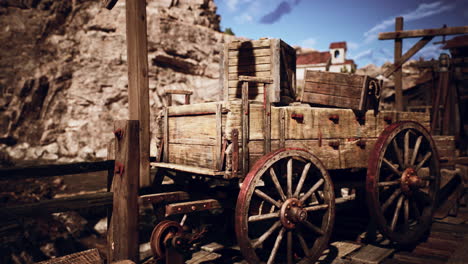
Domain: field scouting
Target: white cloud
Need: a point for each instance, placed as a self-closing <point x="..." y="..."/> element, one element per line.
<point x="422" y="11"/>
<point x="430" y="52"/>
<point x="353" y="45"/>
<point x="244" y="18"/>
<point x="232" y="4"/>
<point x="309" y="43"/>
<point x="363" y="54"/>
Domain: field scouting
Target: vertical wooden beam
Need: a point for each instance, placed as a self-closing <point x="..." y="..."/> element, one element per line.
<point x="165" y="135"/>
<point x="225" y="72"/>
<point x="245" y="128"/>
<point x="267" y="119"/>
<point x="282" y="128"/>
<point x="275" y="53"/>
<point x="123" y="231"/>
<point x="138" y="91"/>
<point x="219" y="136"/>
<point x="399" y="72"/>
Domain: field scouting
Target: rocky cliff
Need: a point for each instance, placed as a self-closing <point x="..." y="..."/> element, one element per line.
<point x="63" y="72"/>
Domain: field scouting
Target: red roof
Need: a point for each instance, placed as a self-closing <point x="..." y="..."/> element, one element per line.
<point x="457" y="42"/>
<point x="314" y="57"/>
<point x="338" y="45"/>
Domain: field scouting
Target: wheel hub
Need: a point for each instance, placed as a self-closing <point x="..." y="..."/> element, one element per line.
<point x="292" y="213"/>
<point x="410" y="181"/>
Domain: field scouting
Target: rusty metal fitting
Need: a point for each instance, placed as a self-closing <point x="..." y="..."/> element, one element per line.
<point x="298" y="117"/>
<point x="388" y="119"/>
<point x="118" y="168"/>
<point x="334" y="118"/>
<point x="119" y="133"/>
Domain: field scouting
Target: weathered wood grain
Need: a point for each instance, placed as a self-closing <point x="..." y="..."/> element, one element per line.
<point x="203" y="156"/>
<point x="330" y="100"/>
<point x="261" y="43"/>
<point x="122" y="235"/>
<point x="90" y="256"/>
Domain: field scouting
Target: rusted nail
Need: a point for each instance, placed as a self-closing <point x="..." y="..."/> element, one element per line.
<point x="334" y="118"/>
<point x="361" y="143"/>
<point x="118" y="168"/>
<point x="334" y="144"/>
<point x="298" y="117"/>
<point x="388" y="119"/>
<point x="119" y="133"/>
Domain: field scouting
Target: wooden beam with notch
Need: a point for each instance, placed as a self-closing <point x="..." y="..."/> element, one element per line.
<point x="424" y="33"/>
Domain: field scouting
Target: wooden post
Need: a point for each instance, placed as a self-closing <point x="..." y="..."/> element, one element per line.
<point x="399" y="72"/>
<point x="245" y="128"/>
<point x="122" y="236"/>
<point x="138" y="91"/>
<point x="267" y="119"/>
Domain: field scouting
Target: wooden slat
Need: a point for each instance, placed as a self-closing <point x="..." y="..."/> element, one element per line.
<point x="58" y="205"/>
<point x="282" y="127"/>
<point x="255" y="79"/>
<point x="424" y="32"/>
<point x="262" y="74"/>
<point x="194" y="109"/>
<point x="138" y="84"/>
<point x="54" y="170"/>
<point x="219" y="136"/>
<point x="199" y="129"/>
<point x="333" y="89"/>
<point x="90" y="256"/>
<point x="249" y="68"/>
<point x="123" y="231"/>
<point x="322" y="99"/>
<point x="165" y="134"/>
<point x="225" y="72"/>
<point x="267" y="119"/>
<point x="193" y="155"/>
<point x="250" y="44"/>
<point x="249" y="60"/>
<point x="245" y="112"/>
<point x="335" y="78"/>
<point x="158" y="198"/>
<point x="185" y="168"/>
<point x="275" y="95"/>
<point x="255" y="53"/>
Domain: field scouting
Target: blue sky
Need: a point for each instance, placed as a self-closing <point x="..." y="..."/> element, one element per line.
<point x="317" y="23"/>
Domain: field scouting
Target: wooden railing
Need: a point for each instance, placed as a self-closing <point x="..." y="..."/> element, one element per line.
<point x="58" y="204"/>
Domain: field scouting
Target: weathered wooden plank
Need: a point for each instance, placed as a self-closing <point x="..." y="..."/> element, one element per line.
<point x="193" y="155"/>
<point x="158" y="198"/>
<point x="260" y="74"/>
<point x="123" y="231"/>
<point x="261" y="43"/>
<point x="245" y="113"/>
<point x="347" y="79"/>
<point x="249" y="60"/>
<point x="249" y="68"/>
<point x="194" y="109"/>
<point x="275" y="91"/>
<point x="138" y="84"/>
<point x="90" y="256"/>
<point x="254" y="53"/>
<point x="371" y="254"/>
<point x="282" y="128"/>
<point x="267" y="119"/>
<point x="187" y="168"/>
<point x="199" y="129"/>
<point x="355" y="152"/>
<point x="333" y="89"/>
<point x="17" y="173"/>
<point x="398" y="75"/>
<point x="225" y="72"/>
<point x="165" y="134"/>
<point x="331" y="100"/>
<point x="219" y="136"/>
<point x="423" y="33"/>
<point x="57" y="205"/>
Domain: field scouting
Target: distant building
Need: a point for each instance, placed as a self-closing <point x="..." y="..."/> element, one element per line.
<point x="333" y="60"/>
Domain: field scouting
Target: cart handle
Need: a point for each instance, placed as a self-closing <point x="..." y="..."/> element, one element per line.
<point x="187" y="94"/>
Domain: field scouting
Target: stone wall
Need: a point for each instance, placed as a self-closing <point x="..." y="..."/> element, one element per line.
<point x="63" y="73"/>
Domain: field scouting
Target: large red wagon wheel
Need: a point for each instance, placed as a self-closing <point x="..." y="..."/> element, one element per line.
<point x="403" y="180"/>
<point x="285" y="209"/>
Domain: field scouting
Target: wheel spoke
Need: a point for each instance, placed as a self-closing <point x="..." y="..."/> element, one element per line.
<point x="406" y="149"/>
<point x="388" y="183"/>
<point x="397" y="213"/>
<point x="255" y="218"/>
<point x="304" y="246"/>
<point x="289" y="247"/>
<point x="272" y="257"/>
<point x="289" y="177"/>
<point x="314" y="228"/>
<point x="398" y="153"/>
<point x="266" y="235"/>
<point x="316" y="208"/>
<point x="390" y="199"/>
<point x="302" y="179"/>
<point x="424" y="160"/>
<point x="267" y="198"/>
<point x="391" y="166"/>
<point x="312" y="190"/>
<point x="416" y="150"/>
<point x="406" y="213"/>
<point x="277" y="184"/>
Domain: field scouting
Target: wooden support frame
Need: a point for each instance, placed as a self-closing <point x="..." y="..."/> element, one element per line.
<point x="122" y="234"/>
<point x="424" y="33"/>
<point x="399" y="72"/>
<point x="245" y="127"/>
<point x="219" y="136"/>
<point x="138" y="84"/>
<point x="266" y="119"/>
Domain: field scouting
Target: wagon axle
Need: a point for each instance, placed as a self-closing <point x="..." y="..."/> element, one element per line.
<point x="411" y="181"/>
<point x="292" y="212"/>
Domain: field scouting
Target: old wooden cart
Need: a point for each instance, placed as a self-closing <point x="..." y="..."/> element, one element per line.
<point x="278" y="156"/>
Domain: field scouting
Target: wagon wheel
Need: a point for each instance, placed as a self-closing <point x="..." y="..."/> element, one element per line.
<point x="285" y="209"/>
<point x="403" y="182"/>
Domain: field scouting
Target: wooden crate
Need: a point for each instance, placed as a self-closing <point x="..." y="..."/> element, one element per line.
<point x="271" y="58"/>
<point x="344" y="90"/>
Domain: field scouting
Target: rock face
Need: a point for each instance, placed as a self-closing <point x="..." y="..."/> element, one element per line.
<point x="63" y="73"/>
